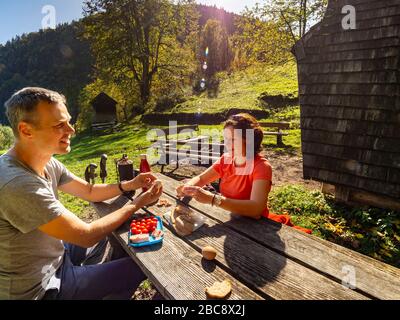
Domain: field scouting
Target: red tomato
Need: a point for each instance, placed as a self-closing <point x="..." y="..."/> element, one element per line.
<point x="135" y="231"/>
<point x="152" y="228"/>
<point x="144" y="230"/>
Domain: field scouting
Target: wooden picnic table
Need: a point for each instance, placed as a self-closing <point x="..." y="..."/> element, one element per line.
<point x="262" y="259"/>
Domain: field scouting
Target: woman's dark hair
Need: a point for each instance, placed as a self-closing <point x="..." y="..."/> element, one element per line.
<point x="246" y="121"/>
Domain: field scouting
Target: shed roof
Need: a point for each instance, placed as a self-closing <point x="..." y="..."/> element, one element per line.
<point x="103" y="103"/>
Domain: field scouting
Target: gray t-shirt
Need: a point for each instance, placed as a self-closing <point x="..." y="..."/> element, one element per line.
<point x="28" y="257"/>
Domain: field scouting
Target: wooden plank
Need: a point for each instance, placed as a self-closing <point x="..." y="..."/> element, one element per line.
<point x="384" y="103"/>
<point x="350" y="166"/>
<point x="373" y="277"/>
<point x="352" y="66"/>
<point x="279" y="125"/>
<point x="379" y="77"/>
<point x="364" y="156"/>
<point x="386" y="146"/>
<point x="350" y="47"/>
<point x="328" y="189"/>
<point x="263" y="268"/>
<point x="272" y="133"/>
<point x="364" y="54"/>
<point x="374" y="200"/>
<point x="343" y="89"/>
<point x="342" y="37"/>
<point x="379" y="135"/>
<point x="176" y="269"/>
<point x="195" y="158"/>
<point x="366" y="20"/>
<point x="340" y="178"/>
<point x="184" y="152"/>
<point x="348" y="113"/>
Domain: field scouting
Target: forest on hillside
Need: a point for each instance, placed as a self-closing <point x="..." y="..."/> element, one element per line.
<point x="151" y="55"/>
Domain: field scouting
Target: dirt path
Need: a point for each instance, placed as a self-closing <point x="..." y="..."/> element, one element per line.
<point x="288" y="169"/>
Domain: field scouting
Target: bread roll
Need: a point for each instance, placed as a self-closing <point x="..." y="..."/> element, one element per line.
<point x="219" y="290"/>
<point x="209" y="253"/>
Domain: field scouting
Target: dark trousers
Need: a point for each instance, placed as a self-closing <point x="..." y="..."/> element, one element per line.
<point x="80" y="280"/>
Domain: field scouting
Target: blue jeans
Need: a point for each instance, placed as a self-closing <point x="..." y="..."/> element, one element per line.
<point x="117" y="279"/>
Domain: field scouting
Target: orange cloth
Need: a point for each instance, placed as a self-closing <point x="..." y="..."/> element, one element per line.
<point x="237" y="182"/>
<point x="285" y="219"/>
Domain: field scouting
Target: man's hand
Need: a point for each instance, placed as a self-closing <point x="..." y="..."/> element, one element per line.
<point x="198" y="193"/>
<point x="150" y="196"/>
<point x="143" y="180"/>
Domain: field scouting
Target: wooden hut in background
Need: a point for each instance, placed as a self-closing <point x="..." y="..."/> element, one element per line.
<point x="349" y="88"/>
<point x="105" y="109"/>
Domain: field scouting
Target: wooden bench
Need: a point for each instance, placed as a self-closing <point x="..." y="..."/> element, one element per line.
<point x="169" y="154"/>
<point x="178" y="130"/>
<point x="279" y="134"/>
<point x="100" y="126"/>
<point x="199" y="152"/>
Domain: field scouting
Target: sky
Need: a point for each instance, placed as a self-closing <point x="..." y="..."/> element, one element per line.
<point x="24" y="16"/>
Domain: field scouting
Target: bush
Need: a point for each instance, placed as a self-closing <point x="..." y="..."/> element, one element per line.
<point x="6" y="137"/>
<point x="166" y="103"/>
<point x="297" y="200"/>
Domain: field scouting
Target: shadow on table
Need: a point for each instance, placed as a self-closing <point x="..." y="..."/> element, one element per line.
<point x="252" y="249"/>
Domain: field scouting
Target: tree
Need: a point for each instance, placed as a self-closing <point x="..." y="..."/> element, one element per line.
<point x="260" y="40"/>
<point x="6" y="137"/>
<point x="134" y="40"/>
<point x="296" y="15"/>
<point x="215" y="48"/>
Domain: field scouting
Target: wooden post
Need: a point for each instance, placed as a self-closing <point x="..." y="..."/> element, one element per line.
<point x="279" y="140"/>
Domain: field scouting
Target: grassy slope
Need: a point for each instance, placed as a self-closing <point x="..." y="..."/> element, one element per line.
<point x="242" y="89"/>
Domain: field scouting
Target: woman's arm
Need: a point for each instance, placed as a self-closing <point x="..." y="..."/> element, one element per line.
<point x="252" y="208"/>
<point x="201" y="180"/>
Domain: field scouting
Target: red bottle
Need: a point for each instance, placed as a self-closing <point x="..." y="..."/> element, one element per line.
<point x="144" y="166"/>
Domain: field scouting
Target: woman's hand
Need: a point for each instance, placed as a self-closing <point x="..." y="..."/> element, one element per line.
<point x="143" y="180"/>
<point x="198" y="193"/>
<point x="179" y="189"/>
<point x="150" y="196"/>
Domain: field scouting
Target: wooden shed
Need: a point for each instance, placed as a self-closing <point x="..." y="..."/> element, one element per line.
<point x="105" y="109"/>
<point x="349" y="88"/>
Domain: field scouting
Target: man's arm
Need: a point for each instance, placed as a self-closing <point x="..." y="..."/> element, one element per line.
<point x="100" y="192"/>
<point x="70" y="228"/>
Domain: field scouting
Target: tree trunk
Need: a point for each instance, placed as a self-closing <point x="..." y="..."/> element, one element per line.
<point x="304" y="17"/>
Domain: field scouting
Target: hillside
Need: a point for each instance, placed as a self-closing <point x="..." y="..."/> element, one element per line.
<point x="247" y="89"/>
<point x="55" y="59"/>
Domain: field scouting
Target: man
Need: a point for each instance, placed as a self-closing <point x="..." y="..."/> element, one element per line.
<point x="42" y="244"/>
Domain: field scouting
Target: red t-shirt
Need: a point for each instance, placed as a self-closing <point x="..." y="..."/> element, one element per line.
<point x="237" y="182"/>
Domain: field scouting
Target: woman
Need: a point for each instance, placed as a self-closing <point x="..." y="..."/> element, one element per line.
<point x="246" y="176"/>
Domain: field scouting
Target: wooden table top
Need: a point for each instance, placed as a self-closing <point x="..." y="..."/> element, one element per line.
<point x="262" y="259"/>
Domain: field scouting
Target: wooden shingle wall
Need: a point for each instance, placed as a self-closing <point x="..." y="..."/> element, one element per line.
<point x="349" y="86"/>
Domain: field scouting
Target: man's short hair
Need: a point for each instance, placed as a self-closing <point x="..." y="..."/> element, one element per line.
<point x="22" y="105"/>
